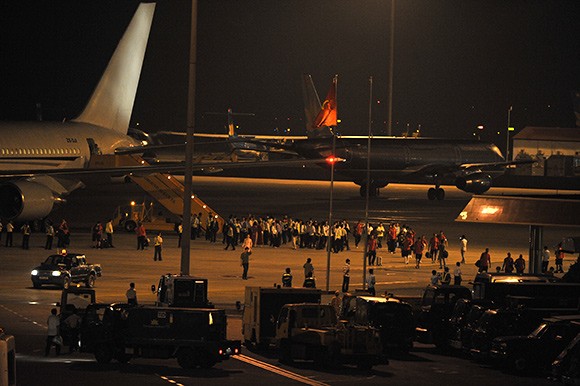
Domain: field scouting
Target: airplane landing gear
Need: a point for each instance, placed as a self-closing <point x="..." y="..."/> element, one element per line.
<point x="374" y="192"/>
<point x="436" y="193"/>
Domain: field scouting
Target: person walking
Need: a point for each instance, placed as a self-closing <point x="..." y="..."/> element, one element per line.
<point x="287" y="278"/>
<point x="372" y="245"/>
<point x="484" y="261"/>
<point x="559" y="255"/>
<point x="545" y="259"/>
<point x="247" y="242"/>
<point x="520" y="264"/>
<point x="25" y="235"/>
<point x="179" y="234"/>
<point x="49" y="235"/>
<point x="457" y="274"/>
<point x="53" y="323"/>
<point x="141" y="236"/>
<point x="346" y="276"/>
<point x="308" y="268"/>
<point x="463" y="248"/>
<point x="9" y="233"/>
<point x="131" y="294"/>
<point x="446" y="279"/>
<point x="245" y="262"/>
<point x="419" y="248"/>
<point x="434" y="247"/>
<point x="371" y="281"/>
<point x="109" y="231"/>
<point x="158" y="243"/>
<point x="229" y="237"/>
<point x="443" y="255"/>
<point x="508" y="264"/>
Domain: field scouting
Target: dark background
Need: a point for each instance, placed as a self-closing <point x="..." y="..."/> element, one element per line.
<point x="458" y="63"/>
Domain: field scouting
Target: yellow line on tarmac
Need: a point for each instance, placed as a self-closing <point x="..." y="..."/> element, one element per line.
<point x="278" y="370"/>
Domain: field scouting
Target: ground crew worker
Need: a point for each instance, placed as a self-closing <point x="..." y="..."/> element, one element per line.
<point x="9" y="233"/>
<point x="158" y="242"/>
<point x="109" y="232"/>
<point x="346" y="276"/>
<point x="309" y="281"/>
<point x="287" y="278"/>
<point x="25" y="235"/>
<point x="49" y="235"/>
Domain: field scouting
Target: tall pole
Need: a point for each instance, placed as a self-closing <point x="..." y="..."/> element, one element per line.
<point x="391" y="66"/>
<point x="507" y="145"/>
<point x="333" y="161"/>
<point x="188" y="175"/>
<point x="366" y="239"/>
<point x="329" y="241"/>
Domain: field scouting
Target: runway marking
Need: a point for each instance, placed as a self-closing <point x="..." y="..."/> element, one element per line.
<point x="169" y="380"/>
<point x="278" y="370"/>
<point x="24" y="317"/>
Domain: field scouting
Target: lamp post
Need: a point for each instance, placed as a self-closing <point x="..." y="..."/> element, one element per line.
<point x="366" y="229"/>
<point x="329" y="241"/>
<point x="507" y="145"/>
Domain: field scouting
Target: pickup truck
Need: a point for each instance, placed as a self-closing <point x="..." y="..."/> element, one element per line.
<point x="64" y="269"/>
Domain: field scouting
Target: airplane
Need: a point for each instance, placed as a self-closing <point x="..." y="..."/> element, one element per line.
<point x="39" y="148"/>
<point x="468" y="164"/>
<point x="42" y="162"/>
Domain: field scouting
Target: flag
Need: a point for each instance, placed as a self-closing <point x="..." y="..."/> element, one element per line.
<point x="328" y="113"/>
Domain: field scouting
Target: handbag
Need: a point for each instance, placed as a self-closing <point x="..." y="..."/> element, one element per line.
<point x="57" y="340"/>
<point x="477" y="263"/>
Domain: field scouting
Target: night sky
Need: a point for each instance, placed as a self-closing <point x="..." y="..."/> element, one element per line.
<point x="458" y="63"/>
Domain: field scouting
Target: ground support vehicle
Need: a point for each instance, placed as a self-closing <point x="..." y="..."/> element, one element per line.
<point x="127" y="217"/>
<point x="64" y="269"/>
<point x="195" y="336"/>
<point x="392" y="317"/>
<point x="261" y="308"/>
<point x="566" y="367"/>
<point x="536" y="351"/>
<point x="182" y="291"/>
<point x="311" y="331"/>
<point x="436" y="307"/>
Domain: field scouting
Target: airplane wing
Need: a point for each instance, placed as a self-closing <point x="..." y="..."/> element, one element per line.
<point x="147" y="169"/>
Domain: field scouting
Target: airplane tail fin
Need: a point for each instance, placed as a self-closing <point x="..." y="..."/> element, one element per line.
<point x="112" y="101"/>
<point x="319" y="117"/>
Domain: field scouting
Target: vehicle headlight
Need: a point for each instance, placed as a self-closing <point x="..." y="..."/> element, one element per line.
<point x="55" y="273"/>
<point x="34" y="272"/>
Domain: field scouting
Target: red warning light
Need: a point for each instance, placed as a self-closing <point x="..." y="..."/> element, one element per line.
<point x="331" y="159"/>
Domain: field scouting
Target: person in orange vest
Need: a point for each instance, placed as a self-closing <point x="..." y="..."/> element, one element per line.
<point x="434" y="247"/>
<point x="372" y="244"/>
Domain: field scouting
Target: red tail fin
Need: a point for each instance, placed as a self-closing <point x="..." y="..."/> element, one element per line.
<point x="328" y="114"/>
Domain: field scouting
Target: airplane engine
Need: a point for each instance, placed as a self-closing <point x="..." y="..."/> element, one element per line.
<point x="477" y="183"/>
<point x="25" y="200"/>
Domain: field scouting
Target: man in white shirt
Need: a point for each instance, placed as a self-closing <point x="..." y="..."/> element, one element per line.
<point x="53" y="323"/>
<point x="371" y="281"/>
<point x="545" y="259"/>
<point x="463" y="248"/>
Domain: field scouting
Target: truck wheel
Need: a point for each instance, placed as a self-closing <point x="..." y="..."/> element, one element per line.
<point x="186" y="358"/>
<point x="206" y="360"/>
<point x="285" y="352"/>
<point x="520" y="365"/>
<point x="90" y="283"/>
<point x="130" y="226"/>
<point x="103" y="354"/>
<point x="66" y="282"/>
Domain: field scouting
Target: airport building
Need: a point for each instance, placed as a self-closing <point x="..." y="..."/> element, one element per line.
<point x="556" y="151"/>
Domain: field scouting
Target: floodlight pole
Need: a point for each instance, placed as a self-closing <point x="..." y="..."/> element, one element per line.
<point x="367" y="190"/>
<point x="391" y="69"/>
<point x="188" y="173"/>
<point x="329" y="241"/>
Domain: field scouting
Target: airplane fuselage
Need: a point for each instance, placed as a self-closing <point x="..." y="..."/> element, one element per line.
<point x="48" y="145"/>
<point x="401" y="159"/>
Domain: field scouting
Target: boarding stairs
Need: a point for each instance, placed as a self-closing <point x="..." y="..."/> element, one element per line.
<point x="163" y="187"/>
